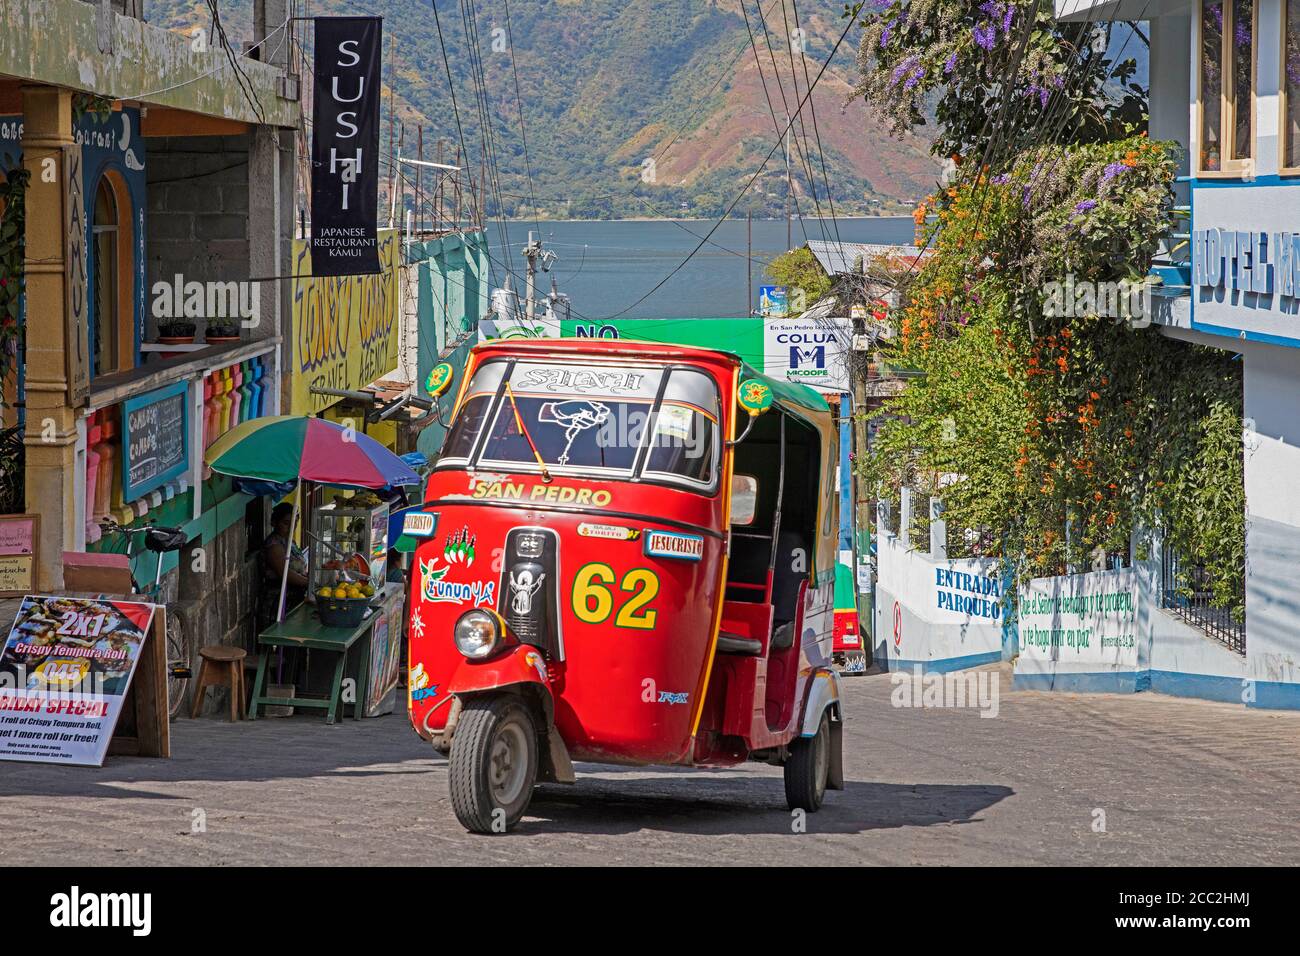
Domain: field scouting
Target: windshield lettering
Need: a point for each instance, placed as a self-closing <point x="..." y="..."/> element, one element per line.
<point x="579" y="380"/>
<point x="595" y="421"/>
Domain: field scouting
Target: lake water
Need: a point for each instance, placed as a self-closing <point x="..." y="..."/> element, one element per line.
<point x="605" y="267"/>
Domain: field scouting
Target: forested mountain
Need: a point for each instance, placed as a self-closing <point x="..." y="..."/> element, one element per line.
<point x="608" y="86"/>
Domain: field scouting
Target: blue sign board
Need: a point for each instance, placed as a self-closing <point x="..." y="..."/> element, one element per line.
<point x="155" y="439"/>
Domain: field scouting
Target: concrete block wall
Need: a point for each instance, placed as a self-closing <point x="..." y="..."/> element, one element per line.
<point x="198" y="225"/>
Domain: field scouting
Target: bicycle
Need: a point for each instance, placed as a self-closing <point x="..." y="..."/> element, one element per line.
<point x="160" y="540"/>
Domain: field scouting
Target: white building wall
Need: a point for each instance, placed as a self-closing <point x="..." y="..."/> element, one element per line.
<point x="1171" y="65"/>
<point x="1273" y="522"/>
<point x="919" y="621"/>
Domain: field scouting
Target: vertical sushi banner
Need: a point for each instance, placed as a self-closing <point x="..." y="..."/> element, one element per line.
<point x="345" y="146"/>
<point x="64" y="673"/>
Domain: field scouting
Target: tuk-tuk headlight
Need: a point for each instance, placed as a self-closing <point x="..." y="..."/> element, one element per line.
<point x="477" y="634"/>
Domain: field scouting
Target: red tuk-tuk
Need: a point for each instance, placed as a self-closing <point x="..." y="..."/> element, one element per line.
<point x="628" y="557"/>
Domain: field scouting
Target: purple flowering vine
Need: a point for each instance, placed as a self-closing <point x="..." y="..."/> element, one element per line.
<point x="1112" y="170"/>
<point x="907" y="68"/>
<point x="985" y="36"/>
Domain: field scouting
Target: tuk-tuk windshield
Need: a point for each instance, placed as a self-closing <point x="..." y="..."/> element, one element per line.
<point x="619" y="421"/>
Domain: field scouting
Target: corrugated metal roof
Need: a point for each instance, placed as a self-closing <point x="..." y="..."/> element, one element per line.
<point x="838" y="258"/>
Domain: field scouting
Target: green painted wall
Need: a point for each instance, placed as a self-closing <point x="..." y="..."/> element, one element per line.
<point x="451" y="297"/>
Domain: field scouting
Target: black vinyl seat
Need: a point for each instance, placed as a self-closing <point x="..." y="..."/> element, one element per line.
<point x="735" y="644"/>
<point x="785" y="588"/>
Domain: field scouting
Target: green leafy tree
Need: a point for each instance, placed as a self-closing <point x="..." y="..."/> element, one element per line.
<point x="799" y="269"/>
<point x="1030" y="413"/>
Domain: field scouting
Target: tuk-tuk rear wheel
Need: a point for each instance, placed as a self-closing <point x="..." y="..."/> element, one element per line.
<point x="493" y="763"/>
<point x="807" y="769"/>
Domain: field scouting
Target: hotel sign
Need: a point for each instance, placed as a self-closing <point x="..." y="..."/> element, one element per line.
<point x="1264" y="263"/>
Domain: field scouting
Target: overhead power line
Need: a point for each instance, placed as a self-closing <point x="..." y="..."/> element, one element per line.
<point x="745" y="189"/>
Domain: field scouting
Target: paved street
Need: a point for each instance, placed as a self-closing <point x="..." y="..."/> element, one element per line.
<point x="1180" y="782"/>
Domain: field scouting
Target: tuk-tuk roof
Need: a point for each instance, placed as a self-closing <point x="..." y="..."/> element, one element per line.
<point x="787" y="393"/>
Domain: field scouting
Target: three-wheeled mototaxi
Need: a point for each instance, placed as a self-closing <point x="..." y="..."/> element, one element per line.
<point x="627" y="556"/>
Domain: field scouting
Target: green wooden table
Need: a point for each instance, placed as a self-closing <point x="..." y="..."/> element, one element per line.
<point x="302" y="627"/>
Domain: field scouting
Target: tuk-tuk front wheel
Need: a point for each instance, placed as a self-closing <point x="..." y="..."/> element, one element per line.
<point x="493" y="764"/>
<point x="808" y="768"/>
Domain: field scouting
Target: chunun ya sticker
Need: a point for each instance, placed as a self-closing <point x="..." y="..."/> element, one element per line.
<point x="439" y="378"/>
<point x="754" y="396"/>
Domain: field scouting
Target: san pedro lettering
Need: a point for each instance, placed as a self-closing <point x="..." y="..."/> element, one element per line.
<point x="555" y="494"/>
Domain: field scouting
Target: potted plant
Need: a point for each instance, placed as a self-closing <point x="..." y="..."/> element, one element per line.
<point x="221" y="333"/>
<point x="175" y="333"/>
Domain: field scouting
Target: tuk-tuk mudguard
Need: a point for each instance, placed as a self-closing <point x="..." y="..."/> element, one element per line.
<point x="823" y="691"/>
<point x="519" y="668"/>
<point x="823" y="694"/>
<point x="523" y="664"/>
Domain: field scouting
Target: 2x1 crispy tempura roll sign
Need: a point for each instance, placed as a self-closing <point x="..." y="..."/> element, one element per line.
<point x="64" y="672"/>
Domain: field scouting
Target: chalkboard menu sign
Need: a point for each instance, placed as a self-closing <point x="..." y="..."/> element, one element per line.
<point x="155" y="439"/>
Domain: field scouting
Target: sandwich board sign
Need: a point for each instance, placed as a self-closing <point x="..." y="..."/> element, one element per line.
<point x="65" y="670"/>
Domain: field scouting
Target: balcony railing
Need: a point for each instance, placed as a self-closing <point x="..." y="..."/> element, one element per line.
<point x="1173" y="264"/>
<point x="1187" y="592"/>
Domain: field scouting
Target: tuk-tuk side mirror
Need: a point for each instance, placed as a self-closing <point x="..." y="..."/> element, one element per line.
<point x="436" y="385"/>
<point x="754" y="397"/>
<point x="744" y="499"/>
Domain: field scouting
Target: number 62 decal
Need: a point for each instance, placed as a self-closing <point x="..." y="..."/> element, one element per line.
<point x="593" y="596"/>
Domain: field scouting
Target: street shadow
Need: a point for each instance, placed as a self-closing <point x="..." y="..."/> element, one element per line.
<point x="606" y="799"/>
<point x="699" y="804"/>
<point x="212" y="751"/>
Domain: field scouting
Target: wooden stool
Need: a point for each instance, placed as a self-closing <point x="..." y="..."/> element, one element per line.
<point x="226" y="667"/>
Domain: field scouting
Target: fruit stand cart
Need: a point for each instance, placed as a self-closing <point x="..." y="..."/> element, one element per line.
<point x="351" y="605"/>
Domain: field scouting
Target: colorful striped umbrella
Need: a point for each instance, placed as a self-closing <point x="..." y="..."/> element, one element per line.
<point x="292" y="447"/>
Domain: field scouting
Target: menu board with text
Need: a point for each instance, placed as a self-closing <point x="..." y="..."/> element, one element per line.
<point x="155" y="438"/>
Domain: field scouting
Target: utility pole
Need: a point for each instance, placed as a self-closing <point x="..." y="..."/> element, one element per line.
<point x="437" y="191"/>
<point x="532" y="252"/>
<point x="789" y="184"/>
<point x="400" y="197"/>
<point x="458" y="172"/>
<point x="392" y="159"/>
<point x="749" y="263"/>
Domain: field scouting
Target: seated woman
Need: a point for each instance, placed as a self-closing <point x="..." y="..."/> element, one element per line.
<point x="276" y="549"/>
